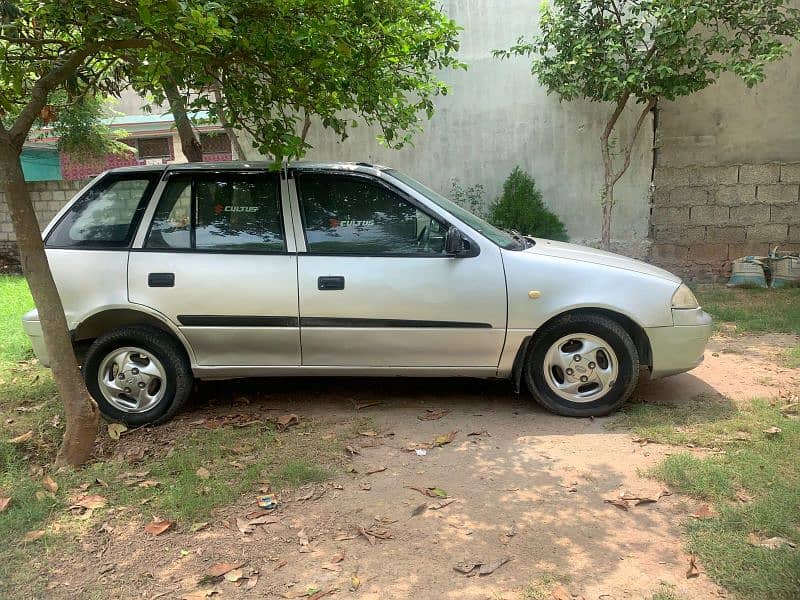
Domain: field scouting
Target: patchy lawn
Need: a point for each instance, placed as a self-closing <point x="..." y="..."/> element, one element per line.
<point x="182" y="472"/>
<point x="748" y="474"/>
<point x="753" y="310"/>
<point x="525" y="484"/>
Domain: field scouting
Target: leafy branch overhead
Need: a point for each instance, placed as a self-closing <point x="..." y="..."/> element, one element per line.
<point x="655" y="48"/>
<point x="646" y="50"/>
<point x="328" y="60"/>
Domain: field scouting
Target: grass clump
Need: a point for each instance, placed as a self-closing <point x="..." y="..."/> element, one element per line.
<point x="753" y="486"/>
<point x="239" y="461"/>
<point x="753" y="310"/>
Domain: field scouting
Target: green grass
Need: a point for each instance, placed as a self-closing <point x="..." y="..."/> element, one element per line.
<point x="240" y="460"/>
<point x="791" y="358"/>
<point x="753" y="310"/>
<point x="15" y="300"/>
<point x="665" y="592"/>
<point x="763" y="467"/>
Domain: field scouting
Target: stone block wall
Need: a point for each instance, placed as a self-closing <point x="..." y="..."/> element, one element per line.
<point x="704" y="217"/>
<point x="48" y="198"/>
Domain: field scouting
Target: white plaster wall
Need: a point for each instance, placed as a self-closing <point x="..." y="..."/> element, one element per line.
<point x="497" y="116"/>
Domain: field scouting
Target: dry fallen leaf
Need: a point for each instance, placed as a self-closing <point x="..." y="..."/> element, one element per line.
<point x="692" y="571"/>
<point x="90" y="502"/>
<point x="441" y="440"/>
<point x="773" y="431"/>
<point x="559" y="593"/>
<point x="365" y="485"/>
<point x="251" y="582"/>
<point x="287" y="421"/>
<point x="488" y="569"/>
<point x="198" y="527"/>
<point x="433" y="415"/>
<point x="157" y="527"/>
<point x="32" y="536"/>
<point x="234" y="575"/>
<point x="773" y="543"/>
<point x="376" y="470"/>
<point x="21" y="439"/>
<point x="355" y="583"/>
<point x="115" y="430"/>
<point x="441" y="504"/>
<point x="4" y="502"/>
<point x="203" y="473"/>
<point x="50" y="483"/>
<point x="199" y="595"/>
<point x="618" y="502"/>
<point x="220" y="568"/>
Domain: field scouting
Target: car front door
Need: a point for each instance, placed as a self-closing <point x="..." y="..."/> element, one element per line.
<point x="218" y="260"/>
<point x="376" y="287"/>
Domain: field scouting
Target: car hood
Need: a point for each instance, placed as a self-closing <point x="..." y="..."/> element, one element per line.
<point x="600" y="257"/>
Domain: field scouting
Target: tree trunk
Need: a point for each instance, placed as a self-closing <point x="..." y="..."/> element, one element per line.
<point x="607" y="204"/>
<point x="192" y="149"/>
<point x="79" y="408"/>
<point x="229" y="131"/>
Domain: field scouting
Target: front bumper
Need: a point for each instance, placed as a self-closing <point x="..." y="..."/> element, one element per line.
<point x="680" y="348"/>
<point x="33" y="329"/>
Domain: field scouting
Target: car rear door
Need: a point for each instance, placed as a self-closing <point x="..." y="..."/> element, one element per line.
<point x="377" y="288"/>
<point x="218" y="260"/>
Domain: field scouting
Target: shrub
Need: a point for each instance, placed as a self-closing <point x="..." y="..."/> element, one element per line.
<point x="520" y="207"/>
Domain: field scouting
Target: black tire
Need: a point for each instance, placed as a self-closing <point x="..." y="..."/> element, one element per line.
<point x="166" y="349"/>
<point x="597" y="325"/>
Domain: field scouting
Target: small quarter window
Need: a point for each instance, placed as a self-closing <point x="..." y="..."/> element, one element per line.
<point x="107" y="215"/>
<point x="228" y="212"/>
<point x="352" y="215"/>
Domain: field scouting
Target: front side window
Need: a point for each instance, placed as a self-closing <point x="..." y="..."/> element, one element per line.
<point x="107" y="215"/>
<point x="498" y="236"/>
<point x="229" y="212"/>
<point x="352" y="215"/>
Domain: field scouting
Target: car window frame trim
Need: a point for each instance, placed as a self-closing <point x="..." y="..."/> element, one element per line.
<point x="475" y="248"/>
<point x="194" y="174"/>
<point x="106" y="179"/>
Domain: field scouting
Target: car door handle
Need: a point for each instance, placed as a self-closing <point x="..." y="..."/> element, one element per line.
<point x="330" y="283"/>
<point x="161" y="280"/>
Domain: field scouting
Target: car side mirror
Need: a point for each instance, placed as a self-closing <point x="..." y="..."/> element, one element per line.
<point x="455" y="244"/>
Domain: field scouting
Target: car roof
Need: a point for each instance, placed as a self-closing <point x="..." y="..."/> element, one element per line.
<point x="240" y="165"/>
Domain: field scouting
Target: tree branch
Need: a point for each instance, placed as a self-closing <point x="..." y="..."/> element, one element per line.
<point x="55" y="77"/>
<point x="629" y="150"/>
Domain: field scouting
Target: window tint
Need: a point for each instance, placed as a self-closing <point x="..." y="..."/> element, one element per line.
<point x="172" y="222"/>
<point x="219" y="212"/>
<point x="350" y="215"/>
<point x="107" y="215"/>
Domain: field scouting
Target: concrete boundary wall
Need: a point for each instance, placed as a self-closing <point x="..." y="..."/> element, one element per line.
<point x="704" y="217"/>
<point x="48" y="198"/>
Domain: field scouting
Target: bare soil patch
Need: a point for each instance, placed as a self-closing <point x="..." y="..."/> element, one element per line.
<point x="525" y="485"/>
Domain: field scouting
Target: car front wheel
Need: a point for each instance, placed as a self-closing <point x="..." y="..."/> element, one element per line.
<point x="137" y="375"/>
<point x="582" y="365"/>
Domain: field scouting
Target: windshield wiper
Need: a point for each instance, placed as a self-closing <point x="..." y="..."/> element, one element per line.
<point x="519" y="238"/>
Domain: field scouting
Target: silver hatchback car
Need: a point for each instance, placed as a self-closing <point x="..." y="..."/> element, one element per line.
<point x="215" y="271"/>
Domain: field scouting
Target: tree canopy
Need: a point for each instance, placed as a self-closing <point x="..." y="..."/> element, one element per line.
<point x="648" y="50"/>
<point x="286" y="62"/>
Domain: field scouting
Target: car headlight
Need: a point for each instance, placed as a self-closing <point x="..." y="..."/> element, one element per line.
<point x="683" y="298"/>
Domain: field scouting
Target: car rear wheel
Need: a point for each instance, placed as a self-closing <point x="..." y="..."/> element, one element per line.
<point x="582" y="366"/>
<point x="137" y="375"/>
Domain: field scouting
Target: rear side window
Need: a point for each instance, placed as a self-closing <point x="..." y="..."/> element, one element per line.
<point x="226" y="212"/>
<point x="107" y="215"/>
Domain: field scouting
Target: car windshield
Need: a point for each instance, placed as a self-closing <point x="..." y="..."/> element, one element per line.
<point x="498" y="236"/>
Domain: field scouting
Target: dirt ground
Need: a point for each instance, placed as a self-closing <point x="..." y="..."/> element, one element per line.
<point x="527" y="485"/>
